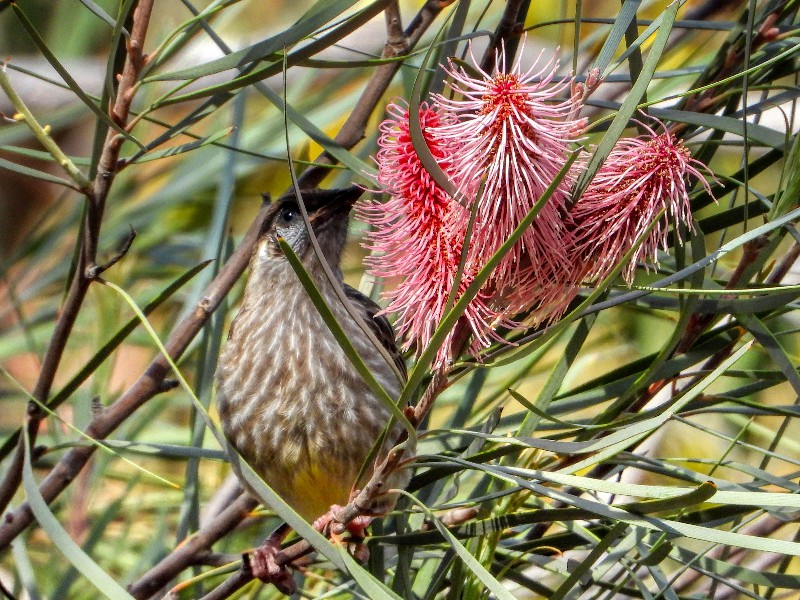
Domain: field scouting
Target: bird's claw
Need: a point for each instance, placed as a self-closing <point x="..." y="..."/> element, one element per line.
<point x="323" y="523"/>
<point x="357" y="527"/>
<point x="331" y="524"/>
<point x="264" y="565"/>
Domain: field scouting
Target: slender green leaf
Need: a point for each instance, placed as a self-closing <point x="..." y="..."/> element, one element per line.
<point x="44" y="176"/>
<point x="737" y="572"/>
<point x="699" y="495"/>
<point x="586" y="563"/>
<point x="630" y="105"/>
<point x="179" y="149"/>
<point x="98" y="11"/>
<point x="670" y="527"/>
<point x="624" y="18"/>
<point x="771" y="344"/>
<point x="756" y="133"/>
<point x="375" y="589"/>
<point x="321" y="13"/>
<point x="93" y="573"/>
<point x="492" y="584"/>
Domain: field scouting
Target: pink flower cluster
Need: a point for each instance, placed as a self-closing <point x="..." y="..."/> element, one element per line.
<point x="642" y="182"/>
<point x="502" y="142"/>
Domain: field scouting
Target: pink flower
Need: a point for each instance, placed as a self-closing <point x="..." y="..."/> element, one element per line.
<point x="418" y="234"/>
<point x="641" y="177"/>
<point x="507" y="135"/>
<point x="515" y="134"/>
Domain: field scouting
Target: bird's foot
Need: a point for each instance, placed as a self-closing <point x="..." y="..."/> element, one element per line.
<point x="263" y="563"/>
<point x="331" y="524"/>
<point x="323" y="523"/>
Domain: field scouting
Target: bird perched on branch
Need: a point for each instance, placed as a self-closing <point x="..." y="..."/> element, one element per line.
<point x="291" y="401"/>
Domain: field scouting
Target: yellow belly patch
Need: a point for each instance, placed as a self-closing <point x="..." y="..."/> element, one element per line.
<point x="314" y="486"/>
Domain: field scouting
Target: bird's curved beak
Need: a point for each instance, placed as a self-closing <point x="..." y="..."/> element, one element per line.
<point x="325" y="204"/>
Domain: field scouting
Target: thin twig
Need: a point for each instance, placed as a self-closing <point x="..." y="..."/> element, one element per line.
<point x="193" y="549"/>
<point x="700" y="322"/>
<point x="96" y="197"/>
<point x="782" y="269"/>
<point x="97" y="270"/>
<point x="228" y="587"/>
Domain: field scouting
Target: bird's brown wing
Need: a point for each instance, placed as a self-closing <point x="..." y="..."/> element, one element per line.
<point x="379" y="324"/>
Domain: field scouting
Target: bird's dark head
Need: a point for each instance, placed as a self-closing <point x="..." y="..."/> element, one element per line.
<point x="328" y="212"/>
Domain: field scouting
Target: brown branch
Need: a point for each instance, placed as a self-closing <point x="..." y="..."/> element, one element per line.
<point x="396" y="43"/>
<point x="96" y="198"/>
<point x="193" y="550"/>
<point x="119" y="113"/>
<point x="506" y="35"/>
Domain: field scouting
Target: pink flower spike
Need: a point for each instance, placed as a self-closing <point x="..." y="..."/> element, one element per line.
<point x="515" y="132"/>
<point x="416" y="236"/>
<point x="641" y="177"/>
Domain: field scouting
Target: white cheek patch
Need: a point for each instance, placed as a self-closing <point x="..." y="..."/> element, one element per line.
<point x="263" y="250"/>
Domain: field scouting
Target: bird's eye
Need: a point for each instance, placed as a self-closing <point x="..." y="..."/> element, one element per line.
<point x="287" y="215"/>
